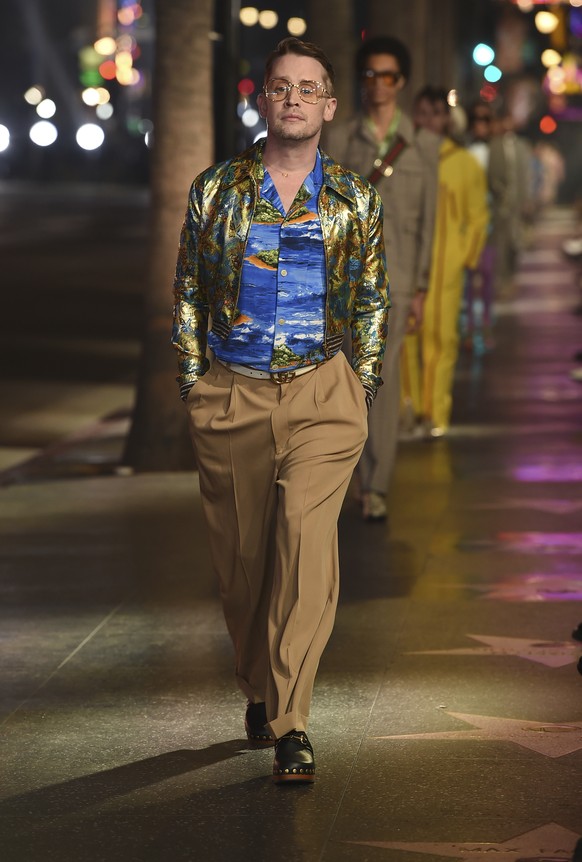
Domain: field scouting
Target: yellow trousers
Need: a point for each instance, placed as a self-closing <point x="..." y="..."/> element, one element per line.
<point x="429" y="358"/>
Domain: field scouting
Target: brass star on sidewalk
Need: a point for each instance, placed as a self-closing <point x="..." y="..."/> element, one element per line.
<point x="549" y="739"/>
<point x="548" y="653"/>
<point x="549" y="843"/>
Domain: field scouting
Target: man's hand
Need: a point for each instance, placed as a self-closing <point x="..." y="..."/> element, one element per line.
<point x="416" y="313"/>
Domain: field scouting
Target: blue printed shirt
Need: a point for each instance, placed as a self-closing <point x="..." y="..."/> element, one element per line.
<point x="281" y="310"/>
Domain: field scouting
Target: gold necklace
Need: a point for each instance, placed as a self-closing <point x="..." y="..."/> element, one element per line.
<point x="273" y="168"/>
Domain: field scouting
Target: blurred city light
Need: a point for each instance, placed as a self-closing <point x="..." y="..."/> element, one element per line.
<point x="90" y="136"/>
<point x="551" y="58"/>
<point x="250" y="118"/>
<point x="145" y="126"/>
<point x="90" y="97"/>
<point x="546" y="22"/>
<point x="46" y="109"/>
<point x="260" y="135"/>
<point x="483" y="54"/>
<point x="298" y="26"/>
<point x="246" y="86"/>
<point x="548" y="125"/>
<point x="492" y="74"/>
<point x="34" y="95"/>
<point x="249" y="16"/>
<point x="108" y="70"/>
<point x="453" y="98"/>
<point x="104" y="112"/>
<point x="268" y="19"/>
<point x="105" y="46"/>
<point x="128" y="77"/>
<point x="4" y="138"/>
<point x="43" y="133"/>
<point x="124" y="60"/>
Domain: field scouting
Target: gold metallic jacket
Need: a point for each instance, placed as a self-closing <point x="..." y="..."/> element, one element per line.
<point x="212" y="247"/>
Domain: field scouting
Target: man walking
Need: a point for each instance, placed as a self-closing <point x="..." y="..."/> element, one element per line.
<point x="380" y="144"/>
<point x="283" y="250"/>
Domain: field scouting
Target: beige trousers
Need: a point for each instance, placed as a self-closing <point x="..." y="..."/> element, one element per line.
<point x="275" y="462"/>
<point x="378" y="458"/>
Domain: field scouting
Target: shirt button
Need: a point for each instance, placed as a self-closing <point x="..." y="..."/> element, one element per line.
<point x="281" y="320"/>
<point x="283" y="272"/>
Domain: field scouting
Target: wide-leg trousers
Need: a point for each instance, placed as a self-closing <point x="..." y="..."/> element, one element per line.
<point x="274" y="464"/>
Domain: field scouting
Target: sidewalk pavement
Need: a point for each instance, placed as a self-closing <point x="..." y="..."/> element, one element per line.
<point x="446" y="717"/>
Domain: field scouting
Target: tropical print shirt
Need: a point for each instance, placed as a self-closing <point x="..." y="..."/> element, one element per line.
<point x="283" y="284"/>
<point x="213" y="243"/>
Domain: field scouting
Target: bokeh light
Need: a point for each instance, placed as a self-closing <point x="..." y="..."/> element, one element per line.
<point x="34" y="95"/>
<point x="246" y="87"/>
<point x="104" y="112"/>
<point x="43" y="133"/>
<point x="108" y="70"/>
<point x="483" y="54"/>
<point x="4" y="138"/>
<point x="46" y="109"/>
<point x="546" y="22"/>
<point x="268" y="19"/>
<point x="249" y="16"/>
<point x="548" y="125"/>
<point x="550" y="57"/>
<point x="250" y="118"/>
<point x="297" y="26"/>
<point x="105" y="46"/>
<point x="90" y="136"/>
<point x="492" y="74"/>
<point x="90" y="97"/>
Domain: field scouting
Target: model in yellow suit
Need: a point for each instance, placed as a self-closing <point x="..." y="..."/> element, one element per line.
<point x="429" y="357"/>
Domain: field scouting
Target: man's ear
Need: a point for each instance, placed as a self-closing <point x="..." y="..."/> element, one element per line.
<point x="262" y="105"/>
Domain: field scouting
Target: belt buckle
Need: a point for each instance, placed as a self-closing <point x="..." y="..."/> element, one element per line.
<point x="281" y="377"/>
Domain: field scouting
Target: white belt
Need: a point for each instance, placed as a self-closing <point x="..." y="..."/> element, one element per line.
<point x="275" y="376"/>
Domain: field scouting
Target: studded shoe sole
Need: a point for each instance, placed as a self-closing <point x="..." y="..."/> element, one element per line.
<point x="294" y="760"/>
<point x="258" y="734"/>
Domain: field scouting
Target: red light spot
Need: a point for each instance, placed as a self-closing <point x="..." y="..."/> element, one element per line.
<point x="108" y="70"/>
<point x="246" y="87"/>
<point x="488" y="93"/>
<point x="548" y="125"/>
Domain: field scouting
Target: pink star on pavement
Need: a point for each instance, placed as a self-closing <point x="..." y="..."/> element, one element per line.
<point x="549" y="843"/>
<point x="549" y="739"/>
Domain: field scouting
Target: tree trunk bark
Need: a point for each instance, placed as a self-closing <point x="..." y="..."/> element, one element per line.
<point x="183" y="146"/>
<point x="333" y="29"/>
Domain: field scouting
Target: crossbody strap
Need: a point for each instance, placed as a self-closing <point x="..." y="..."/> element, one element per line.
<point x="383" y="167"/>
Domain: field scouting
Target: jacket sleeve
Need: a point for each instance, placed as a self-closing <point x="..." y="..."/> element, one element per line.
<point x="371" y="304"/>
<point x="189" y="334"/>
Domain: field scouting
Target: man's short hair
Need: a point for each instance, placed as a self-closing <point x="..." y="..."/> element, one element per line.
<point x="434" y="95"/>
<point x="292" y="45"/>
<point x="384" y="45"/>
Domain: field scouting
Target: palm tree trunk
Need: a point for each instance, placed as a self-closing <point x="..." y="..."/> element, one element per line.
<point x="333" y="29"/>
<point x="183" y="146"/>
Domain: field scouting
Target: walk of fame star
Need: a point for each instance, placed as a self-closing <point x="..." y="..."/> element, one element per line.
<point x="548" y="653"/>
<point x="550" y="739"/>
<point x="549" y="843"/>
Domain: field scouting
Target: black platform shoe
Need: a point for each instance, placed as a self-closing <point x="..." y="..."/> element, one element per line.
<point x="256" y="724"/>
<point x="294" y="759"/>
